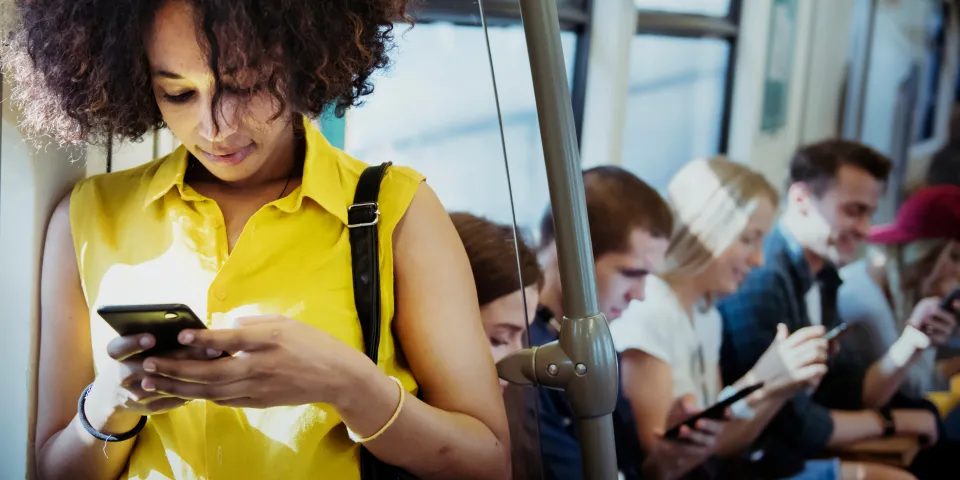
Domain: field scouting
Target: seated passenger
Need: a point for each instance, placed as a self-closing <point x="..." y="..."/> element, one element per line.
<point x="834" y="189"/>
<point x="249" y="218"/>
<point x="670" y="342"/>
<point x="629" y="227"/>
<point x="494" y="258"/>
<point x="912" y="264"/>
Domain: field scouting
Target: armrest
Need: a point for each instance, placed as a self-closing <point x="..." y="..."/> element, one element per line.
<point x="896" y="451"/>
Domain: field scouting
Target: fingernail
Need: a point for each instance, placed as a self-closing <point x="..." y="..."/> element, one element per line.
<point x="146" y="341"/>
<point x="149" y="366"/>
<point x="148" y="385"/>
<point x="213" y="353"/>
<point x="187" y="338"/>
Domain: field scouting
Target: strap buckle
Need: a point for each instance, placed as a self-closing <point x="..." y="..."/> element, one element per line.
<point x="376" y="214"/>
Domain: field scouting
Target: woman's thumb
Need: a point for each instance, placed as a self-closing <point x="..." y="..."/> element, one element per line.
<point x="782" y="332"/>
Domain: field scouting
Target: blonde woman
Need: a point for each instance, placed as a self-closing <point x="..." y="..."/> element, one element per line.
<point x="912" y="263"/>
<point x="670" y="343"/>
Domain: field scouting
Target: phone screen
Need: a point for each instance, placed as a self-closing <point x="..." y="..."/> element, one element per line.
<point x="836" y="332"/>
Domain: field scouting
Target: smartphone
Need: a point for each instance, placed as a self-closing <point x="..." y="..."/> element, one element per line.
<point x="716" y="411"/>
<point x="836" y="332"/>
<point x="164" y="322"/>
<point x="947" y="303"/>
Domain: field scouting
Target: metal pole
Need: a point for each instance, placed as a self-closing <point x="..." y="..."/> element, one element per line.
<point x="583" y="362"/>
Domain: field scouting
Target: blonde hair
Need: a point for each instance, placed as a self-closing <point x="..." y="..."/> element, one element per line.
<point x="907" y="268"/>
<point x="712" y="201"/>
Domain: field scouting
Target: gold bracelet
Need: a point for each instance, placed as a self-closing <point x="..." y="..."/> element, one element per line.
<point x="403" y="395"/>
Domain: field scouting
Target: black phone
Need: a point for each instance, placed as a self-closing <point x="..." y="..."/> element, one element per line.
<point x="836" y="332"/>
<point x="164" y="322"/>
<point x="947" y="303"/>
<point x="716" y="411"/>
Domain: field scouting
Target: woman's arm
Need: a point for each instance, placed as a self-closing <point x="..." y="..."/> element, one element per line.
<point x="459" y="430"/>
<point x="648" y="385"/>
<point x="64" y="448"/>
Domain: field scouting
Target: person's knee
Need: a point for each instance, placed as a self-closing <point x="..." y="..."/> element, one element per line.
<point x="871" y="471"/>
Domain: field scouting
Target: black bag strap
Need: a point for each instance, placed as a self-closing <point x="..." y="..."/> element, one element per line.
<point x="363" y="218"/>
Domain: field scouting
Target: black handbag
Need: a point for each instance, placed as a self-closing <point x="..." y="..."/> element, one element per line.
<point x="363" y="218"/>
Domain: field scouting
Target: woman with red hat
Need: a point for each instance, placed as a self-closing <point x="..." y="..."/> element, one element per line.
<point x="892" y="296"/>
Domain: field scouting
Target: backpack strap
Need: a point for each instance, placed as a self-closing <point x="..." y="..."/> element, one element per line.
<point x="363" y="219"/>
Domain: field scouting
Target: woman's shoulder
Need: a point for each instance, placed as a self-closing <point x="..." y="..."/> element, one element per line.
<point x="397" y="188"/>
<point x="397" y="176"/>
<point x="117" y="189"/>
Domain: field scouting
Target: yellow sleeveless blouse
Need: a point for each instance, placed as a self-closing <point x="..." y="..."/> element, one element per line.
<point x="143" y="236"/>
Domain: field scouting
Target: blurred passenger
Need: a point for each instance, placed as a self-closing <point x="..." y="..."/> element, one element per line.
<point x="505" y="307"/>
<point x="630" y="225"/>
<point x="670" y="342"/>
<point x="944" y="168"/>
<point x="495" y="259"/>
<point x="248" y="218"/>
<point x="913" y="263"/>
<point x="834" y="189"/>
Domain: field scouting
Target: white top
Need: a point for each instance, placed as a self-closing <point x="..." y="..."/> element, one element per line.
<point x="660" y="327"/>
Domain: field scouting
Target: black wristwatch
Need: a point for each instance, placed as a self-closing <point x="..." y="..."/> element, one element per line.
<point x="889" y="426"/>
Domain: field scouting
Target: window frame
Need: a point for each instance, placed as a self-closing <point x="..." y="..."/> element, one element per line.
<point x="575" y="16"/>
<point x="691" y="25"/>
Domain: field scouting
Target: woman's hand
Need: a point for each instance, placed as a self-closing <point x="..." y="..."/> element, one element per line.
<point x="117" y="388"/>
<point x="792" y="363"/>
<point x="671" y="458"/>
<point x="936" y="323"/>
<point x="278" y="361"/>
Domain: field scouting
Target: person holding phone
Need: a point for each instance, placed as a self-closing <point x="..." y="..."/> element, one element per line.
<point x="630" y="224"/>
<point x="246" y="224"/>
<point x="894" y="295"/>
<point x="833" y="191"/>
<point x="670" y="342"/>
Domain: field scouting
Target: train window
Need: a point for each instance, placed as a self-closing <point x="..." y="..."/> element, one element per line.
<point x="718" y="8"/>
<point x="675" y="103"/>
<point x="929" y="94"/>
<point x="434" y="110"/>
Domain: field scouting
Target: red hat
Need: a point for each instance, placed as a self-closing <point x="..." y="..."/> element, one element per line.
<point x="931" y="212"/>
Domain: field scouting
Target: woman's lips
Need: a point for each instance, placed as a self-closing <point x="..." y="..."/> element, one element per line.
<point x="234" y="157"/>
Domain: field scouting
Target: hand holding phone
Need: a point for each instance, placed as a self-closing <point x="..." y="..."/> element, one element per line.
<point x="948" y="303"/>
<point x="716" y="411"/>
<point x="144" y="330"/>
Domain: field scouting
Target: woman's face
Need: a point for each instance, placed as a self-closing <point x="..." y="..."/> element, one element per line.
<point x="946" y="273"/>
<point x="504" y="321"/>
<point x="246" y="136"/>
<point x="728" y="271"/>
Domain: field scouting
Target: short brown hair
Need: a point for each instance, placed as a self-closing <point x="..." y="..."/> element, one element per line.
<point x="494" y="259"/>
<point x="817" y="164"/>
<point x="617" y="203"/>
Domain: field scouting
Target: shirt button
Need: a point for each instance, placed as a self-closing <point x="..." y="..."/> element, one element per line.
<point x="221" y="294"/>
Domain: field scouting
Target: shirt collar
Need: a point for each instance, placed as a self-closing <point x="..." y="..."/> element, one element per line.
<point x="322" y="179"/>
<point x="791" y="249"/>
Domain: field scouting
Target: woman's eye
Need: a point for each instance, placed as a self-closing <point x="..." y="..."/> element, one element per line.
<point x="179" y="98"/>
<point x="496" y="342"/>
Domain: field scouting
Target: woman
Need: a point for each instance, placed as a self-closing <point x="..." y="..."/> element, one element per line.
<point x="911" y="264"/>
<point x="246" y="224"/>
<point x="501" y="265"/>
<point x="670" y="342"/>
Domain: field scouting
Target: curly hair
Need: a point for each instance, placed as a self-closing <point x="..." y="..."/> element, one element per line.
<point x="81" y="72"/>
